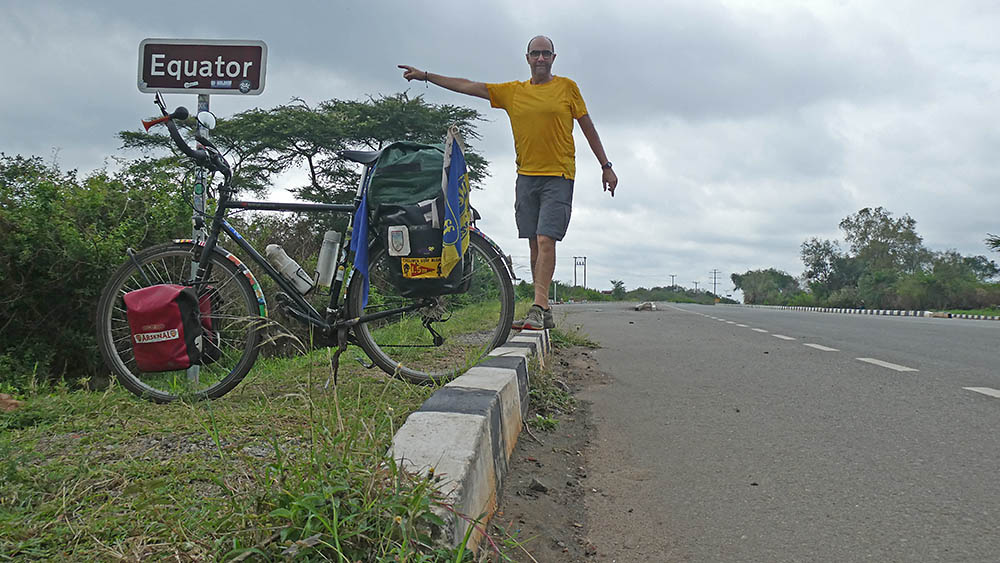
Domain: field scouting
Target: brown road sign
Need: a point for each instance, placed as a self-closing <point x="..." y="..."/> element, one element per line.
<point x="202" y="66"/>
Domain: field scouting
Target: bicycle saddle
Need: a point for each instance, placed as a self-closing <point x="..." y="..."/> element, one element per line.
<point x="361" y="157"/>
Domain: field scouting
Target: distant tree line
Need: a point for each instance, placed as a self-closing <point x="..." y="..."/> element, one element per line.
<point x="885" y="266"/>
<point x="525" y="291"/>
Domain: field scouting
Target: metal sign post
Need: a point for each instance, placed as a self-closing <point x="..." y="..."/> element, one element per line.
<point x="198" y="219"/>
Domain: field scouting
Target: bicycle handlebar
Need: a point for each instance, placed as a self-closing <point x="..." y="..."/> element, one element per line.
<point x="209" y="157"/>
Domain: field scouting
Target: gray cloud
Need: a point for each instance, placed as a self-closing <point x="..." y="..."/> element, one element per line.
<point x="738" y="129"/>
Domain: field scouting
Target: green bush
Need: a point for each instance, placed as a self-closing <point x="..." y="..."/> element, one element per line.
<point x="846" y="297"/>
<point x="60" y="239"/>
<point x="804" y="300"/>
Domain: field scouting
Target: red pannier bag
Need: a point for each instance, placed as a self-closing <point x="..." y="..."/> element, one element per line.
<point x="165" y="326"/>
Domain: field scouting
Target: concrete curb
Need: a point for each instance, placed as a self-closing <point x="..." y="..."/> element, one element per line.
<point x="465" y="432"/>
<point x="882" y="312"/>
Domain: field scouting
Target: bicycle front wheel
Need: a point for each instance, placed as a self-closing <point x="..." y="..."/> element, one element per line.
<point x="235" y="319"/>
<point x="469" y="324"/>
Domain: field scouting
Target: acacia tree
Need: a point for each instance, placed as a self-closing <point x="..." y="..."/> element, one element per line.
<point x="264" y="143"/>
<point x="993" y="241"/>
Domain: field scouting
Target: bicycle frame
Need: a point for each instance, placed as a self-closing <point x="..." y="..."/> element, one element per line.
<point x="302" y="309"/>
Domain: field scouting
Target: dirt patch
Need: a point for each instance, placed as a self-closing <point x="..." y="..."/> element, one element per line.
<point x="7" y="403"/>
<point x="542" y="506"/>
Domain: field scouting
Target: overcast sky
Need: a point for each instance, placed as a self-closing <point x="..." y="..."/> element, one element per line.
<point x="738" y="129"/>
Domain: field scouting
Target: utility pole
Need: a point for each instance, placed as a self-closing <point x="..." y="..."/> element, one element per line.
<point x="695" y="286"/>
<point x="580" y="261"/>
<point x="715" y="282"/>
<point x="672" y="284"/>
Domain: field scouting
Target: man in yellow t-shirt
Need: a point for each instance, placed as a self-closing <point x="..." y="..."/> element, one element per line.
<point x="541" y="112"/>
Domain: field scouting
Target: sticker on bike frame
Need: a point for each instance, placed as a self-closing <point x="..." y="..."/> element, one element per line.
<point x="421" y="268"/>
<point x="261" y="302"/>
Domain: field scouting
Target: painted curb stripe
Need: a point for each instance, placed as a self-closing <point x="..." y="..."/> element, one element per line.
<point x="520" y="366"/>
<point x="481" y="402"/>
<point x="459" y="459"/>
<point x="482" y="409"/>
<point x="518" y="344"/>
<point x="504" y="383"/>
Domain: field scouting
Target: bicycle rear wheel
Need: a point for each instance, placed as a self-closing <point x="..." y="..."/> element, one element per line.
<point x="470" y="324"/>
<point x="235" y="318"/>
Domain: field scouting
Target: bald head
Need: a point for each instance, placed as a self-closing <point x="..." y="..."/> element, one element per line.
<point x="541" y="43"/>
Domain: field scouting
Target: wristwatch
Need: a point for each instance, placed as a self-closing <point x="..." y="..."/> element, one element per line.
<point x="606" y="165"/>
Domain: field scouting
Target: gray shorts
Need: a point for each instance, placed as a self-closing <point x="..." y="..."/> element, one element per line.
<point x="542" y="206"/>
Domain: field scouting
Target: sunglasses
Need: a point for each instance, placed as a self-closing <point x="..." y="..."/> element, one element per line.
<point x="544" y="54"/>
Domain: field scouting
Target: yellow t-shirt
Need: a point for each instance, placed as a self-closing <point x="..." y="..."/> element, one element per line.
<point x="541" y="118"/>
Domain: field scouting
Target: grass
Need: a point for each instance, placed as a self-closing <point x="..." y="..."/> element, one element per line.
<point x="282" y="467"/>
<point x="465" y="344"/>
<point x="551" y="397"/>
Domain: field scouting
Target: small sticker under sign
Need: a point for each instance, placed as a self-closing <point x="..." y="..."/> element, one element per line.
<point x="415" y="268"/>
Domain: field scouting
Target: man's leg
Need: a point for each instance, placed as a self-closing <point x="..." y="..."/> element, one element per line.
<point x="543" y="262"/>
<point x="543" y="266"/>
<point x="542" y="204"/>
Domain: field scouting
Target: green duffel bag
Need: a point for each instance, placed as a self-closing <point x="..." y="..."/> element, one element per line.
<point x="406" y="206"/>
<point x="406" y="173"/>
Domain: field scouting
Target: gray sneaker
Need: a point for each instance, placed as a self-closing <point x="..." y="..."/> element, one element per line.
<point x="535" y="320"/>
<point x="549" y="320"/>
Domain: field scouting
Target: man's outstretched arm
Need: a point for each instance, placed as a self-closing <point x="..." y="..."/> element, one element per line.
<point x="460" y="85"/>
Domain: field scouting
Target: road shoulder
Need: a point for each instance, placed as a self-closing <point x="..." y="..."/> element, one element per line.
<point x="543" y="506"/>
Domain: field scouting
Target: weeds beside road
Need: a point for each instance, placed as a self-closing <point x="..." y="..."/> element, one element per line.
<point x="281" y="466"/>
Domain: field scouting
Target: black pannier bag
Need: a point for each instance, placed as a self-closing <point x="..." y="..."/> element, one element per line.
<point x="407" y="210"/>
<point x="165" y="327"/>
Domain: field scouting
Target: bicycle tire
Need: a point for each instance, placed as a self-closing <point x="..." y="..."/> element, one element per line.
<point x="236" y="318"/>
<point x="472" y="323"/>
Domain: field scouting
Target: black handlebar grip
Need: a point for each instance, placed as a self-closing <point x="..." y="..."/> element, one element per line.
<point x="181" y="113"/>
<point x="201" y="157"/>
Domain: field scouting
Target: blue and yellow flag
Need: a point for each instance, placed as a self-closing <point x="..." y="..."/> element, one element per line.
<point x="457" y="215"/>
<point x="359" y="244"/>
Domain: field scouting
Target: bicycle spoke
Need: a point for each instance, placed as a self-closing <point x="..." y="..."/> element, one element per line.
<point x="225" y="361"/>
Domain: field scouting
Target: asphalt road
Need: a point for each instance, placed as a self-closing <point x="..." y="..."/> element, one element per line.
<point x="739" y="434"/>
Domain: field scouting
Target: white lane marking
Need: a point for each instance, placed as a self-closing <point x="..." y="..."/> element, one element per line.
<point x="984" y="391"/>
<point x="743" y="326"/>
<point x="896" y="367"/>
<point x="730" y="323"/>
<point x="823" y="348"/>
<point x="782" y="336"/>
<point x="760" y="330"/>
